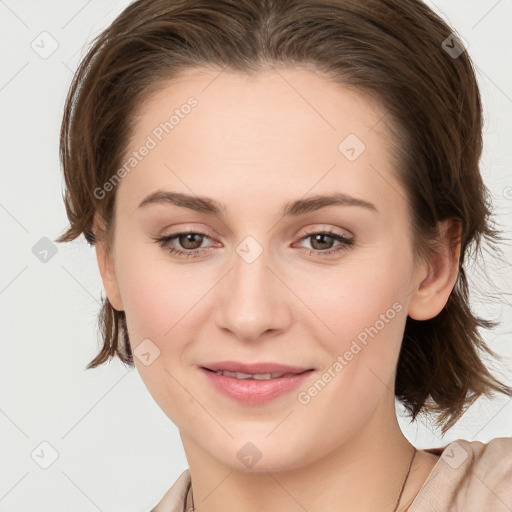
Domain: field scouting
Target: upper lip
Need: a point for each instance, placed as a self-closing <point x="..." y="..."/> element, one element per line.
<point x="254" y="368"/>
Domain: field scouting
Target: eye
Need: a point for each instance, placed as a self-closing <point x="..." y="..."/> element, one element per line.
<point x="191" y="242"/>
<point x="322" y="243"/>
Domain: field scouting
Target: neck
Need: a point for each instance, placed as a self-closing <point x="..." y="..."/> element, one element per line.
<point x="365" y="473"/>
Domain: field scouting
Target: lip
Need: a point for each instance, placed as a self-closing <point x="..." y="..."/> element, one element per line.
<point x="235" y="366"/>
<point x="252" y="391"/>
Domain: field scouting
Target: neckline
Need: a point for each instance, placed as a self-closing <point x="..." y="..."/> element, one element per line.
<point x="438" y="451"/>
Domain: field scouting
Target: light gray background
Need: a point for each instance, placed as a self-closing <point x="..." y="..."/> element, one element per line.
<point x="116" y="449"/>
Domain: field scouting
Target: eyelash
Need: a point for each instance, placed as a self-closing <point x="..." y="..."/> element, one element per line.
<point x="345" y="244"/>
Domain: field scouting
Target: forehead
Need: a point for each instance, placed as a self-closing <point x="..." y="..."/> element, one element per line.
<point x="283" y="128"/>
<point x="295" y="97"/>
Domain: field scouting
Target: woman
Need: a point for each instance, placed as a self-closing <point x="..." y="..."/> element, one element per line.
<point x="283" y="196"/>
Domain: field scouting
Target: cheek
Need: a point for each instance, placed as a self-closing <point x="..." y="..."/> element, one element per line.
<point x="357" y="295"/>
<point x="363" y="303"/>
<point x="156" y="293"/>
<point x="157" y="298"/>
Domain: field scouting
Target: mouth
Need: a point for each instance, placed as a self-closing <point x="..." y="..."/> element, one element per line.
<point x="257" y="371"/>
<point x="254" y="384"/>
<point x="255" y="376"/>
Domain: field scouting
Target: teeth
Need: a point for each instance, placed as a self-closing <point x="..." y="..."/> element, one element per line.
<point x="256" y="376"/>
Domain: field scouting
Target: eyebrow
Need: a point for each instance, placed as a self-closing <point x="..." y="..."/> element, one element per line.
<point x="291" y="209"/>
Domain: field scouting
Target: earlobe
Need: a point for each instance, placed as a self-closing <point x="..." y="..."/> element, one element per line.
<point x="106" y="265"/>
<point x="437" y="277"/>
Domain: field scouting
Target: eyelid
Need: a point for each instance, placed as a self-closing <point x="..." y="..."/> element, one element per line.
<point x="308" y="231"/>
<point x="344" y="243"/>
<point x="345" y="233"/>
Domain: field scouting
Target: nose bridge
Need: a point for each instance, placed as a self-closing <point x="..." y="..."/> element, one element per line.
<point x="252" y="302"/>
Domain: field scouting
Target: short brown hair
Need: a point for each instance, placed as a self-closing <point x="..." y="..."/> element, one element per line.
<point x="394" y="50"/>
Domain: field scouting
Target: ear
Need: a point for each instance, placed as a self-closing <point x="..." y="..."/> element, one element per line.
<point x="106" y="265"/>
<point x="438" y="276"/>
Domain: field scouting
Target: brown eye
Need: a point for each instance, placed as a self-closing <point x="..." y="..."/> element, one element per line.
<point x="187" y="244"/>
<point x="190" y="240"/>
<point x="321" y="241"/>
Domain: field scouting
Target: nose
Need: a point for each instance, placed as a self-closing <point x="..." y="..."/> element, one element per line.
<point x="253" y="299"/>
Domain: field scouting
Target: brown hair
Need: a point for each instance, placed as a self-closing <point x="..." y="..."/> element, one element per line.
<point x="393" y="50"/>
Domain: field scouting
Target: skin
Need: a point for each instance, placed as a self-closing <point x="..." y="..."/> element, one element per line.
<point x="254" y="144"/>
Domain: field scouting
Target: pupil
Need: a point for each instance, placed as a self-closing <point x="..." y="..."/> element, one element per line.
<point x="317" y="237"/>
<point x="189" y="241"/>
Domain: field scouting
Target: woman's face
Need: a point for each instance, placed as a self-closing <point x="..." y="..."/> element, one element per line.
<point x="260" y="287"/>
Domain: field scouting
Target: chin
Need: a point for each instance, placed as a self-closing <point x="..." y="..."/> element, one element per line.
<point x="259" y="457"/>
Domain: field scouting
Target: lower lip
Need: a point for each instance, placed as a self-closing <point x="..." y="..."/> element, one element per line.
<point x="252" y="391"/>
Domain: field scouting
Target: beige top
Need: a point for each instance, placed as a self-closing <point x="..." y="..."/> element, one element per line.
<point x="469" y="476"/>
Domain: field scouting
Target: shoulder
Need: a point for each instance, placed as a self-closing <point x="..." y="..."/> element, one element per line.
<point x="174" y="499"/>
<point x="469" y="476"/>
